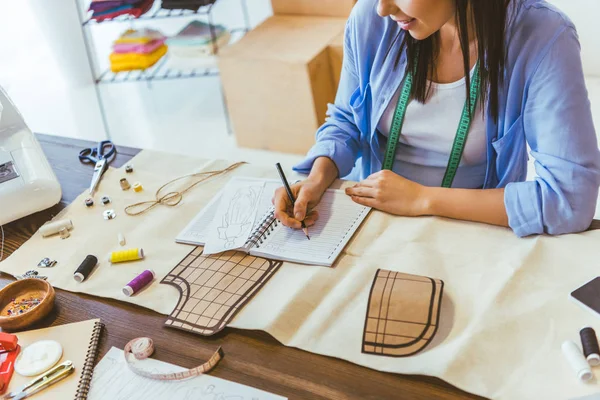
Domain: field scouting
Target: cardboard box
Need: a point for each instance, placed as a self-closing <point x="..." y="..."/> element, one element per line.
<point x="336" y="58"/>
<point x="323" y="8"/>
<point x="277" y="82"/>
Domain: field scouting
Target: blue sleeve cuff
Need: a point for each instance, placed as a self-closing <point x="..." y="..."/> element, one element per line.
<point x="338" y="152"/>
<point x="522" y="202"/>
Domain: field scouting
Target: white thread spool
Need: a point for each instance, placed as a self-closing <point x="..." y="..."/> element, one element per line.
<point x="52" y="228"/>
<point x="578" y="362"/>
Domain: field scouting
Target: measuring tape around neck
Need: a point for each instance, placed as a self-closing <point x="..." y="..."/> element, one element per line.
<point x="461" y="133"/>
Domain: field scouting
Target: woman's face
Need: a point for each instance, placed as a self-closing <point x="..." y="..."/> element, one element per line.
<point x="421" y="18"/>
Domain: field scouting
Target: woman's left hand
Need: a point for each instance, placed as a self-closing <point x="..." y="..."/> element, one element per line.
<point x="389" y="192"/>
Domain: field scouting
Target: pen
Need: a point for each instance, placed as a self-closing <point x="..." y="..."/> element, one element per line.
<point x="290" y="195"/>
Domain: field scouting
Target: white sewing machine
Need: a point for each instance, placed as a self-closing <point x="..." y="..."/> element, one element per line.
<point x="27" y="182"/>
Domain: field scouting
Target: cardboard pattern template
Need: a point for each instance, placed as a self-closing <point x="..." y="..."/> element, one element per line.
<point x="402" y="314"/>
<point x="213" y="289"/>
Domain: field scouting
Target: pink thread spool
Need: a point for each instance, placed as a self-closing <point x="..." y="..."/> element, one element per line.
<point x="138" y="283"/>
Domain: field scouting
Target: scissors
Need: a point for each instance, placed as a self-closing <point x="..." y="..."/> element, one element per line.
<point x="100" y="157"/>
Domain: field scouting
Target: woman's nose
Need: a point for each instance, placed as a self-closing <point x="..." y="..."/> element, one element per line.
<point x="386" y="8"/>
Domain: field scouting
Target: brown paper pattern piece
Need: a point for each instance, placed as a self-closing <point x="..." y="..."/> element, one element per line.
<point x="402" y="314"/>
<point x="213" y="289"/>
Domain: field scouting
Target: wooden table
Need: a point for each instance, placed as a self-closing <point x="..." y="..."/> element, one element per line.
<point x="253" y="358"/>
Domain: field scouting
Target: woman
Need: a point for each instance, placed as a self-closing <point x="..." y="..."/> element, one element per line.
<point x="519" y="62"/>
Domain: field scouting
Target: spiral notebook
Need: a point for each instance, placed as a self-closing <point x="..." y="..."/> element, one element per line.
<point x="241" y="216"/>
<point x="80" y="342"/>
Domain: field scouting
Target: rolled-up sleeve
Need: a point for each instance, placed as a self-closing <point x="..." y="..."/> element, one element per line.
<point x="560" y="131"/>
<point x="338" y="138"/>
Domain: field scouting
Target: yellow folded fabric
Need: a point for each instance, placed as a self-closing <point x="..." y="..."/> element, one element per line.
<point x="131" y="61"/>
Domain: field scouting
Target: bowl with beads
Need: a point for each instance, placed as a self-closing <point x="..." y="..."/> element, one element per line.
<point x="24" y="302"/>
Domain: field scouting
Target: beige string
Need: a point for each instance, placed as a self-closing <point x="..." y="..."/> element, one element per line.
<point x="172" y="199"/>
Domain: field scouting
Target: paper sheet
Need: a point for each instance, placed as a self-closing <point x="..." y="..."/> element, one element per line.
<point x="339" y="218"/>
<point x="114" y="380"/>
<point x="198" y="230"/>
<point x="232" y="224"/>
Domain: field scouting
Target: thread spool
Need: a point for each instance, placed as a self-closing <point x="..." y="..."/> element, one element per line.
<point x="577" y="360"/>
<point x="52" y="228"/>
<point x="589" y="343"/>
<point x="85" y="268"/>
<point x="139" y="282"/>
<point x="137" y="187"/>
<point x="121" y="239"/>
<point x="126" y="255"/>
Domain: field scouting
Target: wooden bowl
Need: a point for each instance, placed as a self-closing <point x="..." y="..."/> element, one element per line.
<point x="24" y="290"/>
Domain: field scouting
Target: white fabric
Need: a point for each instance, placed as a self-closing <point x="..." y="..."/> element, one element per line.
<point x="505" y="310"/>
<point x="428" y="135"/>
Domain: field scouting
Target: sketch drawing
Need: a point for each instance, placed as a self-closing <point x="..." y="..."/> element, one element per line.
<point x="240" y="214"/>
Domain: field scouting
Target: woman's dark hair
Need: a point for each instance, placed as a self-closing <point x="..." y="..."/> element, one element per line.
<point x="489" y="21"/>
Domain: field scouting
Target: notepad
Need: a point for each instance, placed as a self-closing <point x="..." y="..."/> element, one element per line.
<point x="80" y="345"/>
<point x="252" y="212"/>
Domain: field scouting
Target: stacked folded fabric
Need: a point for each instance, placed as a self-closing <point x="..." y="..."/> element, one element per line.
<point x="196" y="40"/>
<point x="109" y="9"/>
<point x="185" y="4"/>
<point x="137" y="49"/>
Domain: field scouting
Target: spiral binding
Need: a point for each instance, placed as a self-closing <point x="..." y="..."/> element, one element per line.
<point x="85" y="379"/>
<point x="259" y="235"/>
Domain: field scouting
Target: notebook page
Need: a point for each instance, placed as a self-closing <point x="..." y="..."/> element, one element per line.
<point x="339" y="218"/>
<point x="196" y="232"/>
<point x="113" y="380"/>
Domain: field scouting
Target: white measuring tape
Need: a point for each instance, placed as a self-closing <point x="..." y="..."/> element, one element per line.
<point x="142" y="348"/>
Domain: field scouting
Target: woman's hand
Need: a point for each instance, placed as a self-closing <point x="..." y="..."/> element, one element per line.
<point x="389" y="192"/>
<point x="307" y="194"/>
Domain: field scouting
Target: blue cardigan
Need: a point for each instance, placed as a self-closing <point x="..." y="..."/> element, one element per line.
<point x="543" y="104"/>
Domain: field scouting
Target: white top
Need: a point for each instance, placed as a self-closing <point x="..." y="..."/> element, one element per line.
<point x="428" y="135"/>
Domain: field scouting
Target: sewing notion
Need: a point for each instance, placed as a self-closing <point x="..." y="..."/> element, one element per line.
<point x="38" y="357"/>
<point x="126" y="255"/>
<point x="137" y="187"/>
<point x="25" y="302"/>
<point x="142" y="348"/>
<point x="124" y="184"/>
<point x="85" y="268"/>
<point x="100" y="156"/>
<point x="109" y="214"/>
<point x="577" y="361"/>
<point x="46" y="263"/>
<point x="54" y="227"/>
<point x="56" y="374"/>
<point x="121" y="239"/>
<point x="589" y="344"/>
<point x="27" y="182"/>
<point x="139" y="282"/>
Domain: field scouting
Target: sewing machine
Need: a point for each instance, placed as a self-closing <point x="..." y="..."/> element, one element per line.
<point x="27" y="182"/>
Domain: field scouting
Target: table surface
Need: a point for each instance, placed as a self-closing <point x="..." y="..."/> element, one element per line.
<point x="252" y="358"/>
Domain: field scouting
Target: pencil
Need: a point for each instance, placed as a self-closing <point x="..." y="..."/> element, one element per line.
<point x="288" y="189"/>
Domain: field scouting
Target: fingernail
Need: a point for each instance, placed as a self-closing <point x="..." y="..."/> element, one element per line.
<point x="298" y="216"/>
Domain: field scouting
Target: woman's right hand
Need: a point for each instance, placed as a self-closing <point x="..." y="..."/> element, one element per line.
<point x="307" y="193"/>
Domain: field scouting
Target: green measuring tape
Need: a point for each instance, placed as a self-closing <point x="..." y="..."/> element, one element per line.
<point x="461" y="133"/>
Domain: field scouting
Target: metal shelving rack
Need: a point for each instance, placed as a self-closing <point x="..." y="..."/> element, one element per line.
<point x="160" y="71"/>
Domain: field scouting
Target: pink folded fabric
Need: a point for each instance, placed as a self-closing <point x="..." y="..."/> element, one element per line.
<point x="138" y="47"/>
